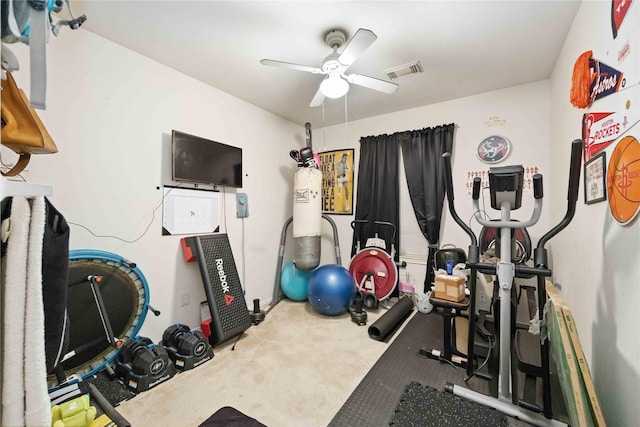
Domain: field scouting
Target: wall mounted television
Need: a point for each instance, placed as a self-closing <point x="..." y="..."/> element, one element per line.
<point x="203" y="161"/>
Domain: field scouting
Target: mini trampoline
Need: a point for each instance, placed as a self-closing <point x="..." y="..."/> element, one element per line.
<point x="124" y="293"/>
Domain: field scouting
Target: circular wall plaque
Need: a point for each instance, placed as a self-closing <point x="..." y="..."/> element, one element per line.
<point x="493" y="149"/>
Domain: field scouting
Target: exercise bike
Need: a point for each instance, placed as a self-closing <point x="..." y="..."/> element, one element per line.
<point x="506" y="184"/>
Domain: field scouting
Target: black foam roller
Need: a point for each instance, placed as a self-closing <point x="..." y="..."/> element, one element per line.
<point x="391" y="319"/>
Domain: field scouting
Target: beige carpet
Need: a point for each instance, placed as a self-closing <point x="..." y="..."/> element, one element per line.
<point x="297" y="368"/>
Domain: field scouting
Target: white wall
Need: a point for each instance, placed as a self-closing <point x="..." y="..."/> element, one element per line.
<point x="111" y="112"/>
<point x="596" y="260"/>
<point x="522" y="116"/>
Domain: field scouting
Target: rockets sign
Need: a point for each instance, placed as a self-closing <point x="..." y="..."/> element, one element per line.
<point x="601" y="129"/>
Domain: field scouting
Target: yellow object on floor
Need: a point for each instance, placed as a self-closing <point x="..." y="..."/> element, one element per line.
<point x="103" y="421"/>
<point x="74" y="413"/>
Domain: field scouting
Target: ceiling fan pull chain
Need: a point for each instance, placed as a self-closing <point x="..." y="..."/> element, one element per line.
<point x="323" y="122"/>
<point x="346" y="122"/>
<point x="324" y="125"/>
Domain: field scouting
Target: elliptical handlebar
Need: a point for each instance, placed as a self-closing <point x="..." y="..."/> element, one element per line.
<point x="574" y="169"/>
<point x="448" y="179"/>
<point x="476" y="188"/>
<point x="473" y="255"/>
<point x="572" y="196"/>
<point x="535" y="215"/>
<point x="537" y="186"/>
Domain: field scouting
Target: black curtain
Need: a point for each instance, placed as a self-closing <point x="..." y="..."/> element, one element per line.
<point x="377" y="196"/>
<point x="422" y="152"/>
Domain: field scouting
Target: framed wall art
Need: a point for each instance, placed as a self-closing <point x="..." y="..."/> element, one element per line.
<point x="594" y="179"/>
<point x="337" y="181"/>
<point x="493" y="149"/>
<point x="190" y="211"/>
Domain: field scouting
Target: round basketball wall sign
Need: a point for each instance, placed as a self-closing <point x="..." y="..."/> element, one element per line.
<point x="493" y="149"/>
<point x="623" y="180"/>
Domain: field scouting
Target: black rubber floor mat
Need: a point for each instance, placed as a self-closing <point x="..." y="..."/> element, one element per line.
<point x="372" y="403"/>
<point x="374" y="400"/>
<point x="112" y="389"/>
<point x="425" y="406"/>
<point x="230" y="417"/>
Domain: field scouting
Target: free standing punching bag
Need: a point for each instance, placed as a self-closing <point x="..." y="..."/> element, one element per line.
<point x="307" y="217"/>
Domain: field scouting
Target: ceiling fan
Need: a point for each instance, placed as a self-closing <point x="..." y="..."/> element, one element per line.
<point x="334" y="66"/>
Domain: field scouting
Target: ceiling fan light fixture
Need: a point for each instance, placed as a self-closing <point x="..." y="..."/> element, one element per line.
<point x="334" y="87"/>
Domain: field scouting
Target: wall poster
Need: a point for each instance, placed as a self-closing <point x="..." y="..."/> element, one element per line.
<point x="337" y="181"/>
<point x="190" y="211"/>
<point x="595" y="179"/>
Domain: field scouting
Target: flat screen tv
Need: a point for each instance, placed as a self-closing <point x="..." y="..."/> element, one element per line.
<point x="204" y="161"/>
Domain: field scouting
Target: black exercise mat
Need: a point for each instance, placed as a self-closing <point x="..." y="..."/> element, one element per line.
<point x="111" y="388"/>
<point x="373" y="402"/>
<point x="230" y="417"/>
<point x="425" y="406"/>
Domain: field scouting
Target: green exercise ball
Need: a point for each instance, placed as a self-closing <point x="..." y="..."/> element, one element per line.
<point x="293" y="282"/>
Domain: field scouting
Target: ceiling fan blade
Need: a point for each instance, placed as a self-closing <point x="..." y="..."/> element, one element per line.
<point x="318" y="99"/>
<point x="372" y="83"/>
<point x="360" y="41"/>
<point x="291" y="66"/>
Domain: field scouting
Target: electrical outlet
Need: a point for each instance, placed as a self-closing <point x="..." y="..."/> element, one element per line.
<point x="242" y="205"/>
<point x="185" y="299"/>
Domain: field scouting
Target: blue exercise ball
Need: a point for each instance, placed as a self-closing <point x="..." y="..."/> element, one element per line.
<point x="293" y="282"/>
<point x="331" y="290"/>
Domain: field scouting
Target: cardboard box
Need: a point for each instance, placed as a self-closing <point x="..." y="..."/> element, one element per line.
<point x="450" y="288"/>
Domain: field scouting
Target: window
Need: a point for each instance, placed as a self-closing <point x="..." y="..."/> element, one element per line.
<point x="413" y="245"/>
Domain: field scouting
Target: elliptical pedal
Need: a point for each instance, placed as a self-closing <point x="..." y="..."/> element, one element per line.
<point x="527" y="347"/>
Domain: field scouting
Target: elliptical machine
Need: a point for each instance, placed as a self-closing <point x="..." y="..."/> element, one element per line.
<point x="506" y="195"/>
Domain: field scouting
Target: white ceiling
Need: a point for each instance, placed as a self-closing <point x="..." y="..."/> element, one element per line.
<point x="465" y="47"/>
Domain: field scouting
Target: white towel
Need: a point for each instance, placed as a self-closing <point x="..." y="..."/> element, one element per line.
<point x="25" y="400"/>
<point x="14" y="308"/>
<point x="38" y="405"/>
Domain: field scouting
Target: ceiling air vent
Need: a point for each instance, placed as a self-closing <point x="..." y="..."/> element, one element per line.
<point x="404" y="70"/>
